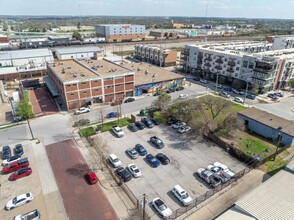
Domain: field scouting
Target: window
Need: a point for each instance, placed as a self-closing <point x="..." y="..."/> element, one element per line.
<point x="72" y="94"/>
<point x="68" y="85"/>
<point x="84" y="92"/>
<point x="96" y="90"/>
<point x="95" y="81"/>
<point x="84" y="83"/>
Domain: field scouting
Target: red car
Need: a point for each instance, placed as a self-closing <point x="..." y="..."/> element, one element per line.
<point x="91" y="178"/>
<point x="21" y="173"/>
<point x="118" y="102"/>
<point x="16" y="165"/>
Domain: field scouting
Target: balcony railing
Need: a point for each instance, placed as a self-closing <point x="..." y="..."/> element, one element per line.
<point x="219" y="61"/>
<point x="208" y="59"/>
<point x="207" y="64"/>
<point x="263" y="70"/>
<point x="231" y="63"/>
<point x="231" y="70"/>
<point x="218" y="67"/>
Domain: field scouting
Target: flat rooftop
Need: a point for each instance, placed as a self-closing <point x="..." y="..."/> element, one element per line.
<point x="20" y="54"/>
<point x="69" y="70"/>
<point x="106" y="68"/>
<point x="69" y="50"/>
<point x="147" y="73"/>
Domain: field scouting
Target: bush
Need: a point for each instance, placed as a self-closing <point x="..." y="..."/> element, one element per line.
<point x="157" y="115"/>
<point x="86" y="132"/>
<point x="107" y="126"/>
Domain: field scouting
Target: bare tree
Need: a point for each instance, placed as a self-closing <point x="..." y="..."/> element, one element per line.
<point x="163" y="101"/>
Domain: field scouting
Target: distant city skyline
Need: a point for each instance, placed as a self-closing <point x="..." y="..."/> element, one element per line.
<point x="186" y="8"/>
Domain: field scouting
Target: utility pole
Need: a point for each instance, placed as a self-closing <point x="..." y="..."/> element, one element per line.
<point x="160" y="55"/>
<point x="30" y="129"/>
<point x="144" y="205"/>
<point x="216" y="83"/>
<point x="246" y="91"/>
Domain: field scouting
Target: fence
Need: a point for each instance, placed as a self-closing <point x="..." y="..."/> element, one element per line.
<point x="208" y="194"/>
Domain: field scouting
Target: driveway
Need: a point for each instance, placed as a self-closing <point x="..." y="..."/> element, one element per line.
<point x="81" y="201"/>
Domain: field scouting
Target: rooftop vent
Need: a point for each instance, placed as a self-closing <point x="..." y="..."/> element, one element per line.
<point x="74" y="75"/>
<point x="82" y="75"/>
<point x="63" y="71"/>
<point x="69" y="67"/>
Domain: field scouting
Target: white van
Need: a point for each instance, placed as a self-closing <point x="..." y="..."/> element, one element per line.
<point x="181" y="195"/>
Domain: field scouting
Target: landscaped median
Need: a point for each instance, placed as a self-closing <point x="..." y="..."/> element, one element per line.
<point x="88" y="131"/>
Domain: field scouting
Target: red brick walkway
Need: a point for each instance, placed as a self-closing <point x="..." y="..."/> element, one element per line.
<point x="81" y="201"/>
<point x="42" y="102"/>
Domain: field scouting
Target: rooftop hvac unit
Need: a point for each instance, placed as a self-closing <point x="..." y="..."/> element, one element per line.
<point x="69" y="67"/>
<point x="82" y="75"/>
<point x="63" y="71"/>
<point x="74" y="75"/>
<point x="61" y="63"/>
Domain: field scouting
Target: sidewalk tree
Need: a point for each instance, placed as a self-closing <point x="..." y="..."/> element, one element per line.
<point x="24" y="110"/>
<point x="291" y="83"/>
<point x="163" y="101"/>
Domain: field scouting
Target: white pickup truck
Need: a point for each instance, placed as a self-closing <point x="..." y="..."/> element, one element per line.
<point x="32" y="215"/>
<point x="211" y="178"/>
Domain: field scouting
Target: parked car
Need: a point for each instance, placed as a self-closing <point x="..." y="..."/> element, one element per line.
<point x="239" y="100"/>
<point x="163" y="158"/>
<point x="112" y="115"/>
<point x="157" y="142"/>
<point x="32" y="215"/>
<point x="6" y="152"/>
<point x="219" y="172"/>
<point x="225" y="168"/>
<point x="161" y="208"/>
<point x="26" y="171"/>
<point x="183" y="96"/>
<point x="207" y="175"/>
<point x="172" y="120"/>
<point x="250" y="96"/>
<point x="180" y="88"/>
<point x="204" y="81"/>
<point x="91" y="177"/>
<point x="272" y="96"/>
<point x="181" y="195"/>
<point x="114" y="160"/>
<point x="132" y="127"/>
<point x="117" y="102"/>
<point x="18" y="149"/>
<point x="228" y="89"/>
<point x="123" y="174"/>
<point x="140" y="125"/>
<point x="11" y="159"/>
<point x="117" y="131"/>
<point x="224" y="94"/>
<point x="147" y="122"/>
<point x="134" y="170"/>
<point x="219" y="86"/>
<point x="184" y="129"/>
<point x="132" y="153"/>
<point x="170" y="90"/>
<point x="235" y="91"/>
<point x="155" y="121"/>
<point x="19" y="200"/>
<point x="129" y="100"/>
<point x="81" y="122"/>
<point x="279" y="94"/>
<point x="152" y="160"/>
<point x="141" y="150"/>
<point x="196" y="79"/>
<point x="16" y="165"/>
<point x="82" y="110"/>
<point x="178" y="125"/>
<point x="157" y="93"/>
<point x="240" y="92"/>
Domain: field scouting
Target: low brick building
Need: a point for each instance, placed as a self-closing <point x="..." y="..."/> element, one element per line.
<point x="85" y="82"/>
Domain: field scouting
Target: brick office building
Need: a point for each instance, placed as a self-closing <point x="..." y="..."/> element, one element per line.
<point x="120" y="32"/>
<point x="81" y="83"/>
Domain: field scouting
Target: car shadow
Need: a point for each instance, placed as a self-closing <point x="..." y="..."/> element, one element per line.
<point x="202" y="181"/>
<point x="172" y="196"/>
<point x="155" y="211"/>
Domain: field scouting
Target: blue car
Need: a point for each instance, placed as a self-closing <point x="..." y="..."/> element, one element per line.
<point x="141" y="150"/>
<point x="152" y="160"/>
<point x="229" y="89"/>
<point x="112" y="115"/>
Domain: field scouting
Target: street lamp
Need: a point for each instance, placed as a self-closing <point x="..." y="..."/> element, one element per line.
<point x="216" y="82"/>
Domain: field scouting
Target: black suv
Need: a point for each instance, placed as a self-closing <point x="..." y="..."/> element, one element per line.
<point x="148" y="122"/>
<point x="140" y="125"/>
<point x="163" y="158"/>
<point x="6" y="152"/>
<point x="124" y="174"/>
<point x="18" y="149"/>
<point x="132" y="127"/>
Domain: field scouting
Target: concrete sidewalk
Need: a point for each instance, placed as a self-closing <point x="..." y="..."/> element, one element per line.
<point x="223" y="200"/>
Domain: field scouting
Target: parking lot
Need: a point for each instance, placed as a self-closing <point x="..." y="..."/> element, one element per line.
<point x="40" y="183"/>
<point x="186" y="155"/>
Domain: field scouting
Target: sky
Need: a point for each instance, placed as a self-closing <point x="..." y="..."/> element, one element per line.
<point x="281" y="9"/>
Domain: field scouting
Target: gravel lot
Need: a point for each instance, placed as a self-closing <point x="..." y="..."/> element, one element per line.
<point x="186" y="155"/>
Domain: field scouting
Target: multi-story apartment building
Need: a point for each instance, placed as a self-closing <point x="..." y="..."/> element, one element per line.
<point x="120" y="32"/>
<point x="85" y="82"/>
<point x="281" y="41"/>
<point x="156" y="55"/>
<point x="240" y="63"/>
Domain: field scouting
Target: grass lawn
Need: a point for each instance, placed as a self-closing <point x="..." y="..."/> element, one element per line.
<point x="124" y="53"/>
<point x="107" y="126"/>
<point x="178" y="49"/>
<point x="86" y="132"/>
<point x="237" y="108"/>
<point x="159" y="117"/>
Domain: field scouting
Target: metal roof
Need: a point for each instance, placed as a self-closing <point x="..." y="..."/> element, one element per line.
<point x="22" y="54"/>
<point x="272" y="200"/>
<point x="70" y="50"/>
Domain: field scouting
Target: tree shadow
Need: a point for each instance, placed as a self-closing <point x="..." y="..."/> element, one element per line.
<point x="78" y="170"/>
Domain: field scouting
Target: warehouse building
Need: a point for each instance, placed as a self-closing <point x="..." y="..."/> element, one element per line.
<point x="78" y="53"/>
<point x="120" y="32"/>
<point x="21" y="64"/>
<point x="86" y="82"/>
<point x="156" y="55"/>
<point x="150" y="78"/>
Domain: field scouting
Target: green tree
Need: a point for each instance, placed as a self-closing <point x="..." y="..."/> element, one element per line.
<point x="79" y="26"/>
<point x="291" y="83"/>
<point x="5" y="26"/>
<point x="77" y="35"/>
<point x="163" y="101"/>
<point x="24" y="110"/>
